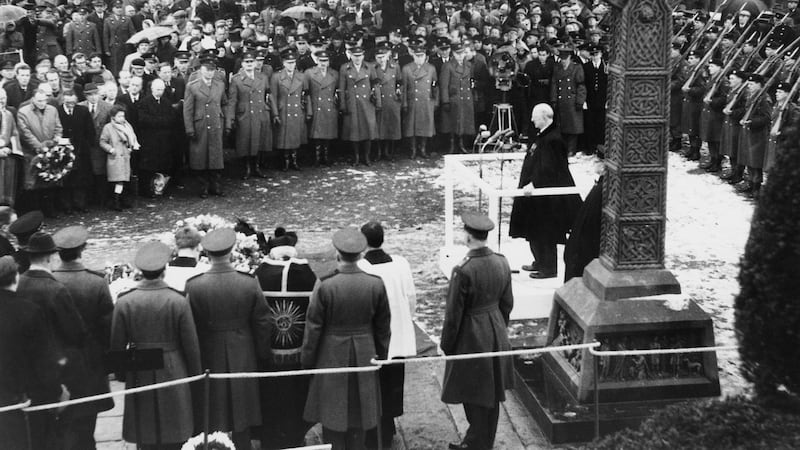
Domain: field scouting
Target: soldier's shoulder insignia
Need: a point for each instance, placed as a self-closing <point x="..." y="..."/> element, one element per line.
<point x="329" y="275"/>
<point x="463" y="262"/>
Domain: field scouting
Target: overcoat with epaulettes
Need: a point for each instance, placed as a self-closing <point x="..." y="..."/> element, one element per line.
<point x="358" y="102"/>
<point x="320" y="91"/>
<point x="286" y="101"/>
<point x="247" y="112"/>
<point x="455" y="89"/>
<point x="419" y="100"/>
<point x="711" y="116"/>
<point x="83" y="38"/>
<point x="731" y="129"/>
<point x="567" y="96"/>
<point x="753" y="139"/>
<point x="389" y="81"/>
<point x="203" y="116"/>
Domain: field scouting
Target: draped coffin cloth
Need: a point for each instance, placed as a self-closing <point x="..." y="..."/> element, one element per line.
<point x="287" y="287"/>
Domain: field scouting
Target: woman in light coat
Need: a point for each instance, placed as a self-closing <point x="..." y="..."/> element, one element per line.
<point x="118" y="140"/>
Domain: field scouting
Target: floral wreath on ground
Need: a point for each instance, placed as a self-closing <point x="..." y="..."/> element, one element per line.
<point x="246" y="255"/>
<point x="54" y="161"/>
<point x="216" y="441"/>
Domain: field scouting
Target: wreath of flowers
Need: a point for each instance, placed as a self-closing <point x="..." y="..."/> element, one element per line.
<point x="246" y="254"/>
<point x="216" y="441"/>
<point x="54" y="161"/>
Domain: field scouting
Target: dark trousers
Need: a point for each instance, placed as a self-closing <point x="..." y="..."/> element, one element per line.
<point x="482" y="425"/>
<point x="77" y="433"/>
<point x="352" y="439"/>
<point x="545" y="254"/>
<point x="72" y="198"/>
<point x="572" y="143"/>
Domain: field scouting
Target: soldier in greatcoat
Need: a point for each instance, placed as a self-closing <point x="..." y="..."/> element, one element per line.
<point x="389" y="89"/>
<point x="247" y="113"/>
<point x="755" y="132"/>
<point x="347" y="324"/>
<point x="693" y="105"/>
<point x="479" y="304"/>
<point x="455" y="95"/>
<point x="731" y="128"/>
<point x="288" y="114"/>
<point x="117" y="29"/>
<point x="320" y="83"/>
<point x="82" y="36"/>
<point x="47" y="33"/>
<point x="568" y="96"/>
<point x="233" y="328"/>
<point x="594" y="116"/>
<point x="420" y="97"/>
<point x="153" y="315"/>
<point x="779" y="117"/>
<point x="678" y="76"/>
<point x="91" y="296"/>
<point x="358" y="104"/>
<point x="203" y="120"/>
<point x="711" y="118"/>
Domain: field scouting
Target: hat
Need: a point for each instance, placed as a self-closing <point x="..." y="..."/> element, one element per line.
<point x="458" y="47"/>
<point x="716" y="61"/>
<point x="90" y="88"/>
<point x="235" y="35"/>
<point x="741" y="74"/>
<point x="138" y="62"/>
<point x="7" y="266"/>
<point x="40" y="243"/>
<point x="356" y="51"/>
<point x="261" y="54"/>
<point x="443" y="43"/>
<point x="286" y="239"/>
<point x="194" y="40"/>
<point x="248" y="54"/>
<point x="71" y="237"/>
<point x="83" y="10"/>
<point x="42" y="57"/>
<point x="179" y="14"/>
<point x="774" y="44"/>
<point x="182" y="55"/>
<point x="322" y="55"/>
<point x="418" y="49"/>
<point x="565" y="50"/>
<point x="756" y="78"/>
<point x="476" y="222"/>
<point x="152" y="256"/>
<point x="289" y="55"/>
<point x="187" y="237"/>
<point x="117" y="4"/>
<point x="594" y="48"/>
<point x="220" y="240"/>
<point x="677" y="45"/>
<point x="349" y="240"/>
<point x="67" y="76"/>
<point x="209" y="62"/>
<point x="382" y="49"/>
<point x="149" y="56"/>
<point x="783" y="86"/>
<point x="26" y="224"/>
<point x="98" y="3"/>
<point x="695" y="53"/>
<point x="302" y="37"/>
<point x="7" y="64"/>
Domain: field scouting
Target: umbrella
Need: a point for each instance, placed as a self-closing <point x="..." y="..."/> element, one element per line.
<point x="11" y="13"/>
<point x="151" y="34"/>
<point x="299" y="12"/>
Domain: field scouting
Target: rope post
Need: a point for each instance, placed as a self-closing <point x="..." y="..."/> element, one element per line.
<point x="206" y="407"/>
<point x="596" y="362"/>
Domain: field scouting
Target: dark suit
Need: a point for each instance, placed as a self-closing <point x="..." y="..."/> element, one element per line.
<point x="28" y="368"/>
<point x="79" y="128"/>
<point x="545" y="165"/>
<point x="157" y="124"/>
<point x="594" y="117"/>
<point x="91" y="296"/>
<point x="131" y="106"/>
<point x="16" y="95"/>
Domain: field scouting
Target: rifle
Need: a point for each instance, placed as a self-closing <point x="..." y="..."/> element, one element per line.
<point x="710" y="23"/>
<point x="717" y="80"/>
<point x="762" y="42"/>
<point x="776" y="125"/>
<point x="706" y="58"/>
<point x="746" y="32"/>
<point x="686" y="25"/>
<point x="749" y="112"/>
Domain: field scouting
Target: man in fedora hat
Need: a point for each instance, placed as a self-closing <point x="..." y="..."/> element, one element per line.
<point x="347" y="324"/>
<point x="92" y="298"/>
<point x="479" y="303"/>
<point x="233" y="327"/>
<point x="23" y="228"/>
<point x="69" y="330"/>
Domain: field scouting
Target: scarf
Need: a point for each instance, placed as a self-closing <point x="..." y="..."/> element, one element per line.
<point x="126" y="133"/>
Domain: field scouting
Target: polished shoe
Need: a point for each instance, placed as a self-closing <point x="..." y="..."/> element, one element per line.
<point x="744" y="187"/>
<point x="542" y="275"/>
<point x="736" y="179"/>
<point x="533" y="267"/>
<point x="204" y="194"/>
<point x="458" y="446"/>
<point x="693" y="156"/>
<point x="713" y="168"/>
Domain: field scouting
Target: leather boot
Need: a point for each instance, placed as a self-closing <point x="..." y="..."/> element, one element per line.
<point x="735" y="175"/>
<point x="115" y="203"/>
<point x="294" y="161"/>
<point x="355" y="153"/>
<point x="285" y="164"/>
<point x="452" y="148"/>
<point x="389" y="150"/>
<point x="246" y="174"/>
<point x="422" y="142"/>
<point x="755" y="190"/>
<point x="256" y="170"/>
<point x="413" y="143"/>
<point x="693" y="154"/>
<point x="325" y="155"/>
<point x="715" y="165"/>
<point x="381" y="145"/>
<point x="216" y="186"/>
<point x="367" y="150"/>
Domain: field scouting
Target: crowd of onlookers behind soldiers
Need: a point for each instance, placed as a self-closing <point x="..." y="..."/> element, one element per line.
<point x="733" y="86"/>
<point x="281" y="91"/>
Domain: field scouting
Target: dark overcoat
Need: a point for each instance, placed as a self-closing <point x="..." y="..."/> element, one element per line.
<point x="89" y="292"/>
<point x="83" y="38"/>
<point x="286" y="101"/>
<point x="419" y="100"/>
<point x="347" y="324"/>
<point x="790" y="115"/>
<point x="203" y="116"/>
<point x="389" y="123"/>
<point x="753" y="139"/>
<point x="455" y="89"/>
<point x="677" y="78"/>
<point x="321" y="102"/>
<point x="100" y="117"/>
<point x="28" y="367"/>
<point x="479" y="303"/>
<point x="594" y="116"/>
<point x="711" y="117"/>
<point x="546" y="218"/>
<point x="248" y="113"/>
<point x="540" y="75"/>
<point x="157" y="124"/>
<point x="583" y="244"/>
<point x="65" y="321"/>
<point x="80" y="130"/>
<point x="358" y="102"/>
<point x="233" y="327"/>
<point x="153" y="315"/>
<point x="47" y="34"/>
<point x="116" y="32"/>
<point x="731" y="129"/>
<point x="692" y="106"/>
<point x="567" y="95"/>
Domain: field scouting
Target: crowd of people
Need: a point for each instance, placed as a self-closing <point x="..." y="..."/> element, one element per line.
<point x="151" y="93"/>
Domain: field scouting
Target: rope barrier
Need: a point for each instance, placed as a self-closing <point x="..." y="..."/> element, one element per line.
<point x="527" y="351"/>
<point x="662" y="351"/>
<point x="9" y="408"/>
<point x="291" y="373"/>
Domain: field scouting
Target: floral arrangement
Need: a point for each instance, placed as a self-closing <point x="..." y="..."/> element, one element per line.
<point x="54" y="161"/>
<point x="204" y="223"/>
<point x="216" y="441"/>
<point x="120" y="278"/>
<point x="246" y="255"/>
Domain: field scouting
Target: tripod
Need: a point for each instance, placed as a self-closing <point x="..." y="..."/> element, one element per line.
<point x="502" y="117"/>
